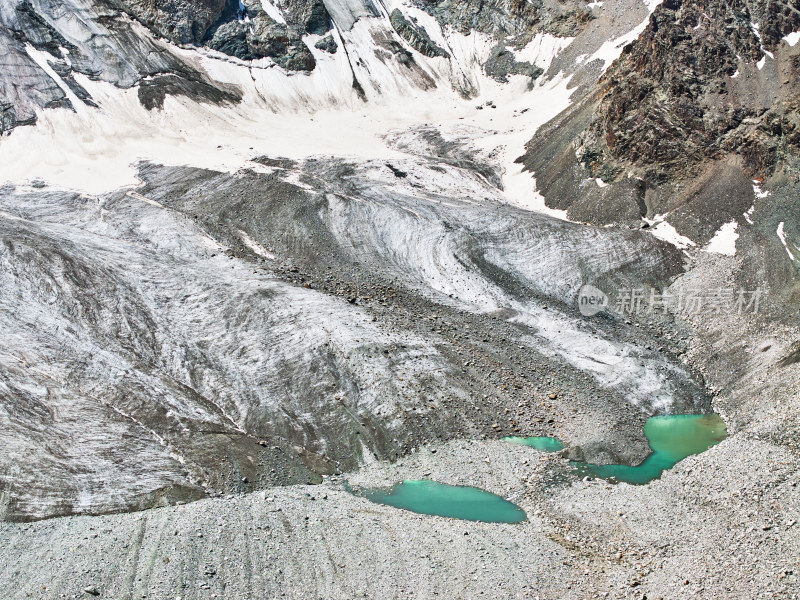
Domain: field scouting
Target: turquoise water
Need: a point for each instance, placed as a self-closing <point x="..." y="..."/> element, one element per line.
<point x="545" y="444"/>
<point x="672" y="438"/>
<point x="458" y="502"/>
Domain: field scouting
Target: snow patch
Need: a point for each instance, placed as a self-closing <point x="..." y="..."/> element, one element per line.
<point x="542" y="49"/>
<point x="782" y="237"/>
<point x="665" y="231"/>
<point x="40" y="58"/>
<point x="759" y="195"/>
<point x="611" y="50"/>
<point x="514" y="128"/>
<point x="272" y="11"/>
<point x="520" y="190"/>
<point x="792" y="38"/>
<point x="757" y="190"/>
<point x="724" y="241"/>
<point x="760" y="64"/>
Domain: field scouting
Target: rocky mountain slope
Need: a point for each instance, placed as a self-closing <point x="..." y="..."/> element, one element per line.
<point x="703" y="102"/>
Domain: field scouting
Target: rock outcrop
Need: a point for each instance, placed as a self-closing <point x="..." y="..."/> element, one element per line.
<point x="502" y="63"/>
<point x="253" y="34"/>
<point x="327" y="44"/>
<point x="705" y="100"/>
<point x="182" y="21"/>
<point x="670" y="103"/>
<point x="46" y="44"/>
<point x="517" y="19"/>
<point x="24" y="86"/>
<point x="415" y="35"/>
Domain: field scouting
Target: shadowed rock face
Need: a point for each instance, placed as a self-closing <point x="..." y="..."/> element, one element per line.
<point x="184" y="21"/>
<point x="259" y="36"/>
<point x="24" y="87"/>
<point x="240" y="29"/>
<point x="90" y="39"/>
<point x="416" y="36"/>
<point x="99" y="41"/>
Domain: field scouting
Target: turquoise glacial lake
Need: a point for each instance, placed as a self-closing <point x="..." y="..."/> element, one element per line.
<point x="457" y="502"/>
<point x="672" y="438"/>
<point x="545" y="444"/>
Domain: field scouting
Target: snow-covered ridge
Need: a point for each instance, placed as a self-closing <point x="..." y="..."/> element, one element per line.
<point x="344" y="107"/>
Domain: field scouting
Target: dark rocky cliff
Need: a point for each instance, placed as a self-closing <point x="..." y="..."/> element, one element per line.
<point x="704" y="101"/>
<point x="670" y="103"/>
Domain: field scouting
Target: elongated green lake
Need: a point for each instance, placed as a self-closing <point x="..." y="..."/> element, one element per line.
<point x="672" y="438"/>
<point x="545" y="444"/>
<point x="458" y="502"/>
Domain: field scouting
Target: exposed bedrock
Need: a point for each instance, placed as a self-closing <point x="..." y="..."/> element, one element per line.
<point x="415" y="35"/>
<point x="25" y="87"/>
<point x="675" y="102"/>
<point x="250" y="33"/>
<point x="505" y="19"/>
<point x="700" y="105"/>
<point x="185" y="21"/>
<point x="501" y="64"/>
